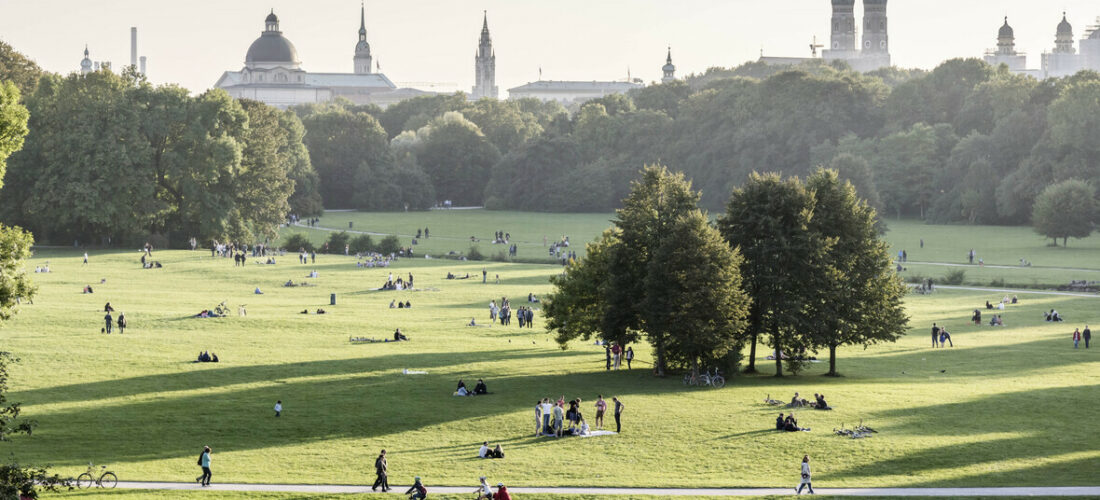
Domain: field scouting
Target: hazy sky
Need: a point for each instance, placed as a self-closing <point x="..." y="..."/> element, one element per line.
<point x="418" y="41"/>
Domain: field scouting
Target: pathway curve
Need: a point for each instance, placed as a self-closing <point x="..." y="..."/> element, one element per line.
<point x="1089" y="491"/>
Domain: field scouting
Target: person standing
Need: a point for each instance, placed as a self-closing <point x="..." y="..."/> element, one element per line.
<point x="629" y="355"/>
<point x="109" y="320"/>
<point x="1076" y="337"/>
<point x="484" y="275"/>
<point x="122" y="325"/>
<point x="945" y="338"/>
<point x="619" y="407"/>
<point x="607" y="351"/>
<point x="805" y="476"/>
<point x="1087" y="335"/>
<point x="616" y="353"/>
<point x="538" y="417"/>
<point x="935" y="335"/>
<point x="546" y="409"/>
<point x="559" y="419"/>
<point x="380" y="469"/>
<point x="601" y="407"/>
<point x="278" y="408"/>
<point x="85" y="259"/>
<point x="204" y="462"/>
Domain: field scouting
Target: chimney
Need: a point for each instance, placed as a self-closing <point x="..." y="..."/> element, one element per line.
<point x="142" y="65"/>
<point x="133" y="47"/>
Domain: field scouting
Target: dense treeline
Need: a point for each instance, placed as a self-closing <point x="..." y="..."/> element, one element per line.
<point x="113" y="160"/>
<point x="965" y="142"/>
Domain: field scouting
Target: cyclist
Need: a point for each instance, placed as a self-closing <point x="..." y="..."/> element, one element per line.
<point x="483" y="491"/>
<point x="417" y="491"/>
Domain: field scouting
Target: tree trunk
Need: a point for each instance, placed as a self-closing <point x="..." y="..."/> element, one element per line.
<point x="1065" y="241"/>
<point x="832" y="361"/>
<point x="660" y="358"/>
<point x="752" y="355"/>
<point x="778" y="357"/>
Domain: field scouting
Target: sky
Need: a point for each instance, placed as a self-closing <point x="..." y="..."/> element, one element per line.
<point x="430" y="44"/>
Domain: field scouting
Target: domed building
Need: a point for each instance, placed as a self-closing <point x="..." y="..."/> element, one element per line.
<point x="273" y="74"/>
<point x="1006" y="53"/>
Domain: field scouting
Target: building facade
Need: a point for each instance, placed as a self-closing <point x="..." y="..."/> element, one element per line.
<point x="570" y="92"/>
<point x="844" y="44"/>
<point x="668" y="71"/>
<point x="485" y="65"/>
<point x="1065" y="60"/>
<point x="273" y="74"/>
<point x="1006" y="52"/>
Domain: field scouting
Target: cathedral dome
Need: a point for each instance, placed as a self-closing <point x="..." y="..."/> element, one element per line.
<point x="1006" y="31"/>
<point x="272" y="48"/>
<point x="1064" y="28"/>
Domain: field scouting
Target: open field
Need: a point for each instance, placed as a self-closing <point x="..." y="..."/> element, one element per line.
<point x="1000" y="247"/>
<point x="1006" y="406"/>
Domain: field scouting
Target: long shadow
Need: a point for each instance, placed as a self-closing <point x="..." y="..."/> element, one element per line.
<point x="1049" y="415"/>
<point x="361" y="406"/>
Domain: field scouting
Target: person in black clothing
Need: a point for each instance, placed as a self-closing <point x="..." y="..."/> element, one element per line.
<point x="121" y="323"/>
<point x="779" y="422"/>
<point x="109" y="320"/>
<point x="380" y="468"/>
<point x="619" y="407"/>
<point x="397" y="335"/>
<point x="1087" y="335"/>
<point x="480" y="387"/>
<point x="417" y="491"/>
<point x="607" y="348"/>
<point x="935" y="335"/>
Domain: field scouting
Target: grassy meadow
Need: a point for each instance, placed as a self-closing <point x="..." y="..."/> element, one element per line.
<point x="1007" y="406"/>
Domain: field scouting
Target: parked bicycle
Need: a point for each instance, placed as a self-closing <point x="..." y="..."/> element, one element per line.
<point x="705" y="379"/>
<point x="106" y="479"/>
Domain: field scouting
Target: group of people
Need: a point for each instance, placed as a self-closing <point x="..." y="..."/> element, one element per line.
<point x="206" y="357"/>
<point x="995" y="320"/>
<point x="398" y="284"/>
<point x="818" y="403"/>
<point x="503" y="312"/>
<point x="394" y="304"/>
<point x="109" y="321"/>
<point x="1078" y="335"/>
<point x="941" y="336"/>
<point x="551" y="417"/>
<point x="479" y="389"/>
<point x="372" y="260"/>
<point x="484" y="492"/>
<point x="486" y="452"/>
<point x="615" y="355"/>
<point x="1053" y="315"/>
<point x="426" y="234"/>
<point x="788" y="424"/>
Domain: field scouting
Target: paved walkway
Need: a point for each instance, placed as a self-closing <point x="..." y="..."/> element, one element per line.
<point x="1017" y="291"/>
<point x="996" y="266"/>
<point x="1090" y="491"/>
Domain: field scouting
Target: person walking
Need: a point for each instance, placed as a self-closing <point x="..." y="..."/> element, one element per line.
<point x="1087" y="335"/>
<point x="380" y="469"/>
<point x="278" y="408"/>
<point x="629" y="355"/>
<point x="1076" y="337"/>
<point x="204" y="462"/>
<point x="109" y="320"/>
<point x="619" y="407"/>
<point x="121" y="322"/>
<point x="935" y="335"/>
<point x="805" y="476"/>
<point x="85" y="259"/>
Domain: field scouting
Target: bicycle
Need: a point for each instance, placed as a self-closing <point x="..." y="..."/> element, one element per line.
<point x="713" y="380"/>
<point x="106" y="479"/>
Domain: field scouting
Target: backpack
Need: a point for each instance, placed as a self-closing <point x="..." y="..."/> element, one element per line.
<point x="200" y="459"/>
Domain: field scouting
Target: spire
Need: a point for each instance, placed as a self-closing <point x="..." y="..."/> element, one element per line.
<point x="362" y="22"/>
<point x="485" y="21"/>
<point x="85" y="50"/>
<point x="669" y="59"/>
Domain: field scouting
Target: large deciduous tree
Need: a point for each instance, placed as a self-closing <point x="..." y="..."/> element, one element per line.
<point x="768" y="220"/>
<point x="860" y="301"/>
<point x="341" y="144"/>
<point x="1064" y="210"/>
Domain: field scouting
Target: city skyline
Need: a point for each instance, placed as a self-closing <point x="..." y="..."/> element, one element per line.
<point x="428" y="42"/>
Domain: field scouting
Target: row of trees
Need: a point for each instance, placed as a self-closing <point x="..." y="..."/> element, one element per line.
<point x="799" y="265"/>
<point x="113" y="159"/>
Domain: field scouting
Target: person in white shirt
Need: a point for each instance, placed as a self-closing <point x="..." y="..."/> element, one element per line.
<point x="585" y="429"/>
<point x="484" y="451"/>
<point x="484" y="491"/>
<point x="547" y="408"/>
<point x="278" y="408"/>
<point x="805" y="476"/>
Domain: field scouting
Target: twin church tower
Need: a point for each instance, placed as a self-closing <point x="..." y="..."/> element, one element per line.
<point x="874" y="51"/>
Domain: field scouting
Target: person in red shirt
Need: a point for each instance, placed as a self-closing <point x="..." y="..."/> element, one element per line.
<point x="502" y="492"/>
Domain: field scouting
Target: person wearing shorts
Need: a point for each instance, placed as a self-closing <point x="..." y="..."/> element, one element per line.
<point x="601" y="407"/>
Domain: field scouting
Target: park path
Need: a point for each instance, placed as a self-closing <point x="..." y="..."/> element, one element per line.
<point x="1015" y="291"/>
<point x="1049" y="491"/>
<point x="997" y="266"/>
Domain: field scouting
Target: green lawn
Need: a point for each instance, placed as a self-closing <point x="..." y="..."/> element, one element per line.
<point x="998" y="246"/>
<point x="1005" y="406"/>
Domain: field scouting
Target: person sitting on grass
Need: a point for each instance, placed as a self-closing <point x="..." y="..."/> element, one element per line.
<point x="88" y="289"/>
<point x="797" y="401"/>
<point x="480" y="388"/>
<point x="214" y="357"/>
<point x="779" y="422"/>
<point x="400" y="305"/>
<point x="289" y="282"/>
<point x="498" y="452"/>
<point x="417" y="491"/>
<point x="398" y="336"/>
<point x="988" y="305"/>
<point x="392" y="306"/>
<point x="977" y="317"/>
<point x="820" y="403"/>
<point x="791" y="425"/>
<point x="473" y="322"/>
<point x="258" y="292"/>
<point x="484" y="451"/>
<point x="461" y="389"/>
<point x="408" y="304"/>
<point x="204" y="357"/>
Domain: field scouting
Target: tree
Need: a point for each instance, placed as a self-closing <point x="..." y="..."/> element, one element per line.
<point x="768" y="220"/>
<point x="1066" y="209"/>
<point x="458" y="158"/>
<point x="576" y="308"/>
<point x="306" y="200"/>
<point x="340" y="143"/>
<point x="13" y="124"/>
<point x="263" y="186"/>
<point x="17" y="69"/>
<point x="860" y="303"/>
<point x="694" y="303"/>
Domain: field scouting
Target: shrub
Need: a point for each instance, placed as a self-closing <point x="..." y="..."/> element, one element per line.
<point x="389" y="244"/>
<point x="474" y="254"/>
<point x="336" y="242"/>
<point x="997" y="282"/>
<point x="500" y="256"/>
<point x="296" y="241"/>
<point x="954" y="277"/>
<point x="362" y="243"/>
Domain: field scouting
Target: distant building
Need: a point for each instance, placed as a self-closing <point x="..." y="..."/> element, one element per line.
<point x="843" y="44"/>
<point x="668" y="70"/>
<point x="1064" y="59"/>
<point x="273" y="74"/>
<point x="1006" y="53"/>
<point x="86" y="63"/>
<point x="569" y="92"/>
<point x="485" y="65"/>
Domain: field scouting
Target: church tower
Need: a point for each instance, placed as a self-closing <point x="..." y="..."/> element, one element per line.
<point x="1063" y="39"/>
<point x="844" y="26"/>
<point x="875" y="40"/>
<point x="668" y="69"/>
<point x="1006" y="40"/>
<point x="485" y="65"/>
<point x="362" y="49"/>
<point x="86" y="63"/>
